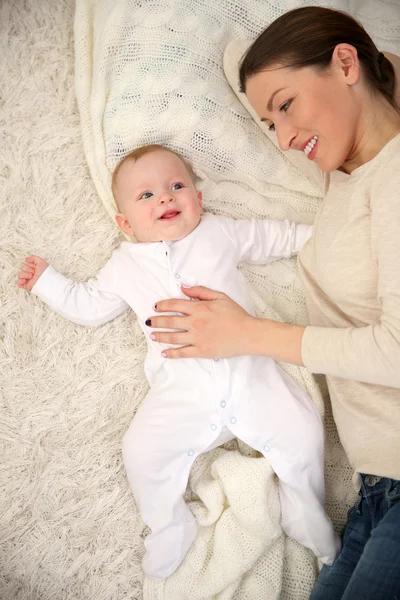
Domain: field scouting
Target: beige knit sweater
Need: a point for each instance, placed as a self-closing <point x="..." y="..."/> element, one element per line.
<point x="351" y="272"/>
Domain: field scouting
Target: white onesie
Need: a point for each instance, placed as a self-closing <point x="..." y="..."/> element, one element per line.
<point x="197" y="404"/>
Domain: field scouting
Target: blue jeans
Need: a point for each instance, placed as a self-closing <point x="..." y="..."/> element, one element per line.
<point x="368" y="567"/>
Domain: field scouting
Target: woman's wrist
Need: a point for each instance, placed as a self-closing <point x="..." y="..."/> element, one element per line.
<point x="280" y="341"/>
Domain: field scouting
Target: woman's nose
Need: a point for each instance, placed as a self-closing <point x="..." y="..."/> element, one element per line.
<point x="286" y="136"/>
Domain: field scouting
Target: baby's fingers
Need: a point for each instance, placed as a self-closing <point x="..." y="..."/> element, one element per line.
<point x="22" y="282"/>
<point x="27" y="269"/>
<point x="24" y="274"/>
<point x="34" y="260"/>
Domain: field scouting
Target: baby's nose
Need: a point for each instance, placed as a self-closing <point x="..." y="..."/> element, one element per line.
<point x="166" y="197"/>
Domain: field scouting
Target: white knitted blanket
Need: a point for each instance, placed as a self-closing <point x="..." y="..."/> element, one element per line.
<point x="149" y="71"/>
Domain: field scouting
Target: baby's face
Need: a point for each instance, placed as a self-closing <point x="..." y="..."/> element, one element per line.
<point x="157" y="198"/>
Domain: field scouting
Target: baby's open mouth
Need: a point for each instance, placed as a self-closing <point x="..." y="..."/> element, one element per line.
<point x="170" y="214"/>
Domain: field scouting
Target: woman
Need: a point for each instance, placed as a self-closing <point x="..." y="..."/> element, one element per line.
<point x="317" y="79"/>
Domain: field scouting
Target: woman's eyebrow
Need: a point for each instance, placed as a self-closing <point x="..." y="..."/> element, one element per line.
<point x="269" y="105"/>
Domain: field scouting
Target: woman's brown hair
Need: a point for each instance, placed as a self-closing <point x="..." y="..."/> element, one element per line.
<point x="307" y="37"/>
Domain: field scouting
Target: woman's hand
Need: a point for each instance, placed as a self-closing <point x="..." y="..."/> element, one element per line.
<point x="215" y="327"/>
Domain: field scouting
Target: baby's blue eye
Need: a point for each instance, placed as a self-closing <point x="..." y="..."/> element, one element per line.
<point x="146" y="195"/>
<point x="177" y="186"/>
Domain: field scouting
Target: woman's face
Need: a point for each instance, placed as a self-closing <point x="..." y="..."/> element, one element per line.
<point x="311" y="111"/>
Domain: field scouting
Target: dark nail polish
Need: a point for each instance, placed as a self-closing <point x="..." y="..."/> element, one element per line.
<point x="155" y="307"/>
<point x="148" y="322"/>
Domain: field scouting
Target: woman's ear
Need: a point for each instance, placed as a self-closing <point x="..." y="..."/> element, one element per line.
<point x="124" y="225"/>
<point x="395" y="60"/>
<point x="345" y="61"/>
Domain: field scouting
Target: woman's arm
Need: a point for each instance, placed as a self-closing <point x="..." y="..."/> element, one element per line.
<point x="370" y="354"/>
<point x="217" y="327"/>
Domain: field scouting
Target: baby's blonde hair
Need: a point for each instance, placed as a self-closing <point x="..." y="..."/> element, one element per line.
<point x="138" y="153"/>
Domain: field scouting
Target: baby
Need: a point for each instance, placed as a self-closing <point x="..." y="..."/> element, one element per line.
<point x="195" y="405"/>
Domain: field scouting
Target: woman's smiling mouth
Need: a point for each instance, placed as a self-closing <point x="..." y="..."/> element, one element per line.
<point x="309" y="147"/>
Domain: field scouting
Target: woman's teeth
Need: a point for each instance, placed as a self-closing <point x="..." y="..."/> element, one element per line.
<point x="310" y="145"/>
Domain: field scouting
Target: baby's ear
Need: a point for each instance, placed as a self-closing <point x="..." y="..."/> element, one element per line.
<point x="123" y="224"/>
<point x="200" y="199"/>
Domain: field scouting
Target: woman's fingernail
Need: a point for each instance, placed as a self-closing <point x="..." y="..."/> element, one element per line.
<point x="164" y="354"/>
<point x="186" y="286"/>
<point x="148" y="322"/>
<point x="153" y="336"/>
<point x="154" y="306"/>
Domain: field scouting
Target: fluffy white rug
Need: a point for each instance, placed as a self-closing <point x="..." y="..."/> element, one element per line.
<point x="68" y="523"/>
<point x="69" y="528"/>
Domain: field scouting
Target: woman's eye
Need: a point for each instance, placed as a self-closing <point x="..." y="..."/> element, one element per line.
<point x="146" y="195"/>
<point x="177" y="186"/>
<point x="285" y="106"/>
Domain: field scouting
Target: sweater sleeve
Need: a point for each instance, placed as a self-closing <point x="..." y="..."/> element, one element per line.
<point x="260" y="241"/>
<point x="368" y="354"/>
<point x="91" y="303"/>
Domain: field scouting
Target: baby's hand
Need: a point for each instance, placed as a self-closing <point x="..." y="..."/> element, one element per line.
<point x="31" y="271"/>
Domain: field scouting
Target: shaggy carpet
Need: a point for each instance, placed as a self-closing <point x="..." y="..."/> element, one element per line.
<point x="68" y="524"/>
